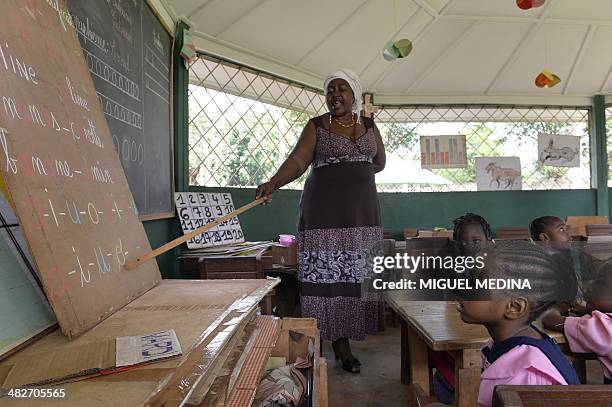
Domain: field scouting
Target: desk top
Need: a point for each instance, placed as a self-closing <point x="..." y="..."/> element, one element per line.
<point x="440" y="326"/>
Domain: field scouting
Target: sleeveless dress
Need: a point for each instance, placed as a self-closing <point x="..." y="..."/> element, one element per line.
<point x="339" y="221"/>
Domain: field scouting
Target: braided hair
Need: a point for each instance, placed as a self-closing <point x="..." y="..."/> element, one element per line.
<point x="470" y="218"/>
<point x="550" y="276"/>
<point x="540" y="225"/>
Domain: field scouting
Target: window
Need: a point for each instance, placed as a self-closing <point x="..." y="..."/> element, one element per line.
<point x="244" y="123"/>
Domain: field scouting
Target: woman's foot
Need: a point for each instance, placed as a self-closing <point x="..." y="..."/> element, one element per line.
<point x="342" y="351"/>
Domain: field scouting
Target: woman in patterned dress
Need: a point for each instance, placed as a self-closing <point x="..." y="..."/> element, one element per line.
<point x="339" y="216"/>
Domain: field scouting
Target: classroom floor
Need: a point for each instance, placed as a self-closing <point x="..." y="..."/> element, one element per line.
<point x="378" y="384"/>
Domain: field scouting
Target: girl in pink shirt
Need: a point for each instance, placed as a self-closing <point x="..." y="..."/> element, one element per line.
<point x="519" y="353"/>
<point x="591" y="333"/>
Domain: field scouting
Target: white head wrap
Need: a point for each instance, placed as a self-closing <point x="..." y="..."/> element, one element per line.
<point x="353" y="80"/>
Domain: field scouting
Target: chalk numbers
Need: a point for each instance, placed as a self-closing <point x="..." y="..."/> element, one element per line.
<point x="198" y="209"/>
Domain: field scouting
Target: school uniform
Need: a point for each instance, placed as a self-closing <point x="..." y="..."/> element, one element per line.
<point x="592" y="334"/>
<point x="522" y="360"/>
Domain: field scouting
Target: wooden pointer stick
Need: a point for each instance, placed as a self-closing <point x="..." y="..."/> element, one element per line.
<point x="172" y="244"/>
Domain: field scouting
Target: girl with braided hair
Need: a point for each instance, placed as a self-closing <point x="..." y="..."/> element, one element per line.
<point x="519" y="352"/>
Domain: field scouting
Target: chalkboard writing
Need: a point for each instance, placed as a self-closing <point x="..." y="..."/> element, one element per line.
<point x="128" y="55"/>
<point x="63" y="176"/>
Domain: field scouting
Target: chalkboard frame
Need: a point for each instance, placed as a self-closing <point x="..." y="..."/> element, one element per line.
<point x="171" y="213"/>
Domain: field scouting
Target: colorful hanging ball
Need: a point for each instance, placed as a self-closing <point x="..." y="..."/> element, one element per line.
<point x="546" y="79"/>
<point x="528" y="4"/>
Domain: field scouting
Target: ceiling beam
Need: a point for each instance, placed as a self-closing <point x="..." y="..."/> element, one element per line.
<point x="480" y="99"/>
<point x="606" y="81"/>
<point x="201" y="7"/>
<point x="579" y="57"/>
<point x="241" y="16"/>
<point x="438" y="59"/>
<point x="415" y="41"/>
<point x="530" y="34"/>
<point x="330" y="33"/>
<point x="425" y="6"/>
<point x="508" y="19"/>
<point x="378" y="53"/>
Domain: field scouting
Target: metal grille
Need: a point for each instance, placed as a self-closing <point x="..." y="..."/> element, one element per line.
<point x="491" y="131"/>
<point x="609" y="142"/>
<point x="244" y="123"/>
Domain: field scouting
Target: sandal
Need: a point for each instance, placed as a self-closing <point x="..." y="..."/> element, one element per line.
<point x="351" y="365"/>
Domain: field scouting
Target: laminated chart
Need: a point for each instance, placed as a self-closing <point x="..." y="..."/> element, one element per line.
<point x="196" y="209"/>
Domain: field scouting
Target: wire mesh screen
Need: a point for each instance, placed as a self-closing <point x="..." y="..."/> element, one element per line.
<point x="609" y="142"/>
<point x="490" y="131"/>
<point x="244" y="123"/>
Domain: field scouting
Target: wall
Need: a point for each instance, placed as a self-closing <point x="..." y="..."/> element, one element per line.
<point x="400" y="210"/>
<point x="159" y="232"/>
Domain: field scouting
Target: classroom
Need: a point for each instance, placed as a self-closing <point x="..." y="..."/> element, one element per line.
<point x="306" y="203"/>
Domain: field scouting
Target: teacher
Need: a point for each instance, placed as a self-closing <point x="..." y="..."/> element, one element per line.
<point x="339" y="215"/>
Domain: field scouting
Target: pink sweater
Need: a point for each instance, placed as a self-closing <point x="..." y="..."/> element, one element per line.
<point x="592" y="334"/>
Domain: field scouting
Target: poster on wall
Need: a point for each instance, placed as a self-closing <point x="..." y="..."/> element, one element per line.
<point x="498" y="173"/>
<point x="558" y="150"/>
<point x="443" y="152"/>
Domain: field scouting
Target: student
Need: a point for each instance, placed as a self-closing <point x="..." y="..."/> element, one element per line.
<point x="471" y="228"/>
<point x="520" y="353"/>
<point x="591" y="333"/>
<point x="552" y="232"/>
<point x="549" y="228"/>
<point x="472" y="231"/>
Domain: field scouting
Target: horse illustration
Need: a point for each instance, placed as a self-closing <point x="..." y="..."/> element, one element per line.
<point x="502" y="174"/>
<point x="551" y="153"/>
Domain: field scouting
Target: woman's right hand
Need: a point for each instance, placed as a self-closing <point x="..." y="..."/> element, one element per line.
<point x="265" y="191"/>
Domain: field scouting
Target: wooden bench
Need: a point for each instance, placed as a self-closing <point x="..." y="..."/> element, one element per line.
<point x="512" y="233"/>
<point x="557" y="396"/>
<point x="577" y="224"/>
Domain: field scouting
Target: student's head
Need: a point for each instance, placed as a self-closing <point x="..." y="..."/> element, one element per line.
<point x="549" y="229"/>
<point x="550" y="279"/>
<point x="471" y="228"/>
<point x="598" y="292"/>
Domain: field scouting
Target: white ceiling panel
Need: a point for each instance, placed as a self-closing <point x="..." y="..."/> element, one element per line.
<point x="476" y="48"/>
<point x="554" y="47"/>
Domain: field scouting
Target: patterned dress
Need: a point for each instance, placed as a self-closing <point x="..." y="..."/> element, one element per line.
<point x="339" y="222"/>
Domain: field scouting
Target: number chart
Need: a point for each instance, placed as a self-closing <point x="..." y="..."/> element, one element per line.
<point x="196" y="209"/>
<point x="57" y="158"/>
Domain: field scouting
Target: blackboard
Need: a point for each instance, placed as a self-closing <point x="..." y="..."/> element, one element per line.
<point x="128" y="53"/>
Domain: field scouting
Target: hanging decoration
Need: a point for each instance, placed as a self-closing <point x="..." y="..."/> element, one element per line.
<point x="529" y="4"/>
<point x="546" y="79"/>
<point x="398" y="49"/>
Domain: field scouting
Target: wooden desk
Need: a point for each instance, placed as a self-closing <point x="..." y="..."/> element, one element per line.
<point x="438" y="326"/>
<point x="561" y="396"/>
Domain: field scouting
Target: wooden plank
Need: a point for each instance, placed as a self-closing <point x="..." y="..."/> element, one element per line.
<point x="419" y="364"/>
<point x="577" y="224"/>
<point x="468" y="367"/>
<point x="62" y="172"/>
<point x="197" y="310"/>
<point x="324" y="400"/>
<point x="559" y="396"/>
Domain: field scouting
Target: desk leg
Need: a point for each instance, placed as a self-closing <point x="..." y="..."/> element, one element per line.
<point x="405" y="355"/>
<point x="419" y="363"/>
<point x="468" y="367"/>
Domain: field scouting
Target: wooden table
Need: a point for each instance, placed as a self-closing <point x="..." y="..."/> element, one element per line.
<point x="559" y="396"/>
<point x="437" y="325"/>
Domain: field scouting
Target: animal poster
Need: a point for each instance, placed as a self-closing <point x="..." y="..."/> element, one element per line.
<point x="498" y="173"/>
<point x="443" y="152"/>
<point x="197" y="209"/>
<point x="558" y="150"/>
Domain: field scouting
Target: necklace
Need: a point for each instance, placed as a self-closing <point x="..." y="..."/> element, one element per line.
<point x="346" y="126"/>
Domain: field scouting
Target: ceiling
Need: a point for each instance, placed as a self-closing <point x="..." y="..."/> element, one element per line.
<point x="464" y="50"/>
